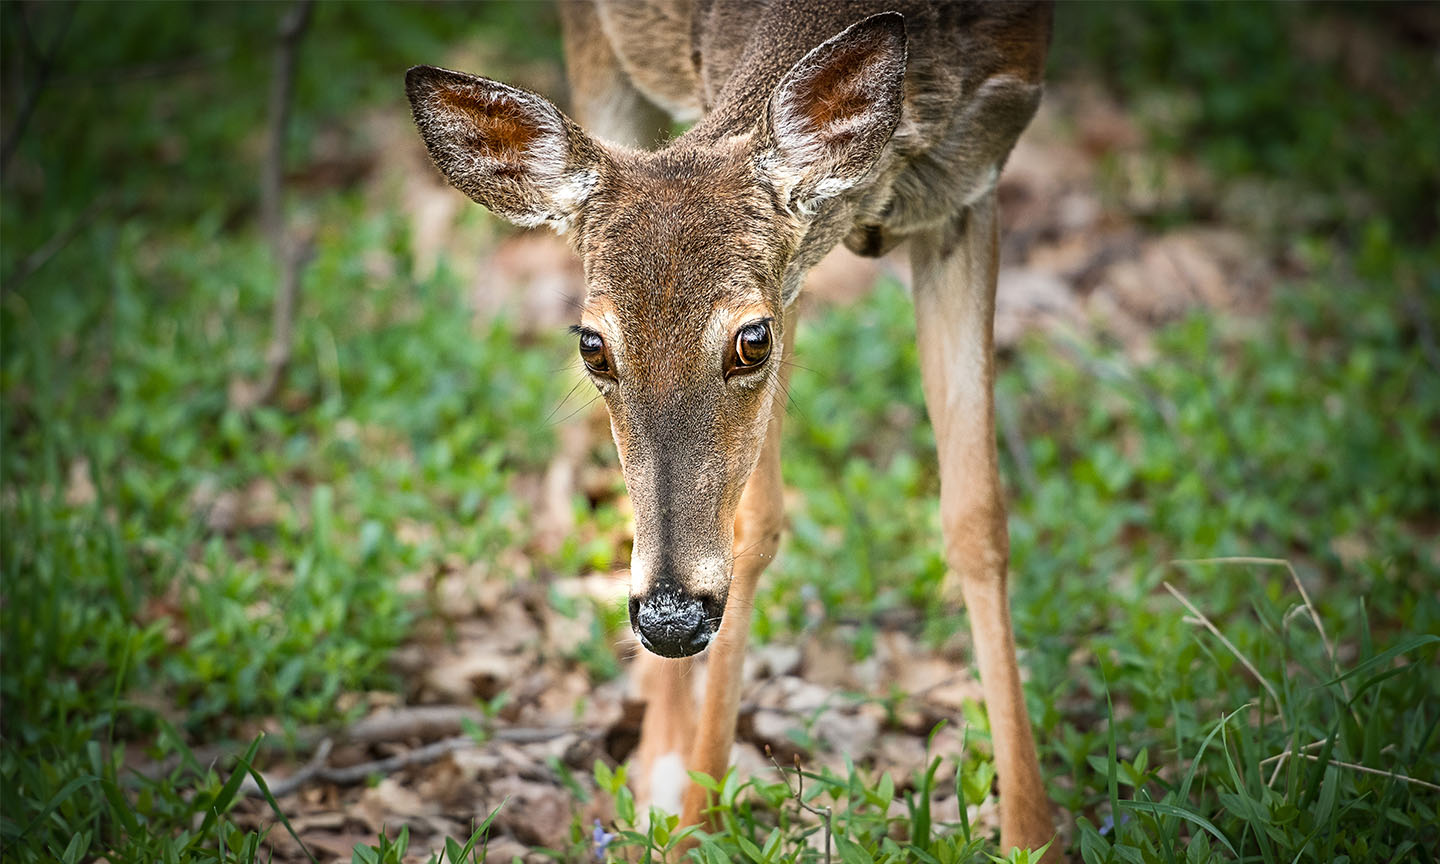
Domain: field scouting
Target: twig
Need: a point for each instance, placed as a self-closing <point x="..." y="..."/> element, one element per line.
<point x="825" y="813"/>
<point x="58" y="241"/>
<point x="1245" y="661"/>
<point x="316" y="769"/>
<point x="37" y="88"/>
<point x="1424" y="334"/>
<point x="282" y="89"/>
<point x="424" y="722"/>
<point x="282" y="322"/>
<point x="290" y="256"/>
<point x="1368" y="770"/>
<point x="1305" y="748"/>
<point x="281" y="788"/>
<point x="1287" y="752"/>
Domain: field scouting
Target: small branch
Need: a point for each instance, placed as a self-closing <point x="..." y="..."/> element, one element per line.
<point x="798" y="794"/>
<point x="290" y="256"/>
<point x="422" y="722"/>
<point x="282" y="322"/>
<point x="1367" y="770"/>
<point x="1280" y="758"/>
<point x="317" y="770"/>
<point x="281" y="788"/>
<point x="37" y="87"/>
<point x="50" y="248"/>
<point x="282" y="91"/>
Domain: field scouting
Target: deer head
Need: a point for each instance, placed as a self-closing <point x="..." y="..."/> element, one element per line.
<point x="690" y="262"/>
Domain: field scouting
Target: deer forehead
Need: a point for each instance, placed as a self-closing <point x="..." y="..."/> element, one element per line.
<point x="686" y="215"/>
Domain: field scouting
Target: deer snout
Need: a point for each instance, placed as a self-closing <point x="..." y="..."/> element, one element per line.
<point x="674" y="623"/>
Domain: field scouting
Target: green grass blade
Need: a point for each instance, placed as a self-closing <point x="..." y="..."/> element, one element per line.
<point x="1404" y="647"/>
<point x="1182" y="813"/>
<point x="270" y="799"/>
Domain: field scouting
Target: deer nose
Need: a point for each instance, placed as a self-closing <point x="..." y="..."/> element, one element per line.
<point x="674" y="623"/>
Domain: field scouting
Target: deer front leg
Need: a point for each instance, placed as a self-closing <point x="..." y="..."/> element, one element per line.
<point x="955" y="270"/>
<point x="658" y="768"/>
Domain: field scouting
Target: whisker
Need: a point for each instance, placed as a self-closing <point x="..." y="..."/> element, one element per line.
<point x="563" y="400"/>
<point x="786" y="361"/>
<point x="587" y="404"/>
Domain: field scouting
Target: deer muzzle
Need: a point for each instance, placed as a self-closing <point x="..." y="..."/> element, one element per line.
<point x="672" y="622"/>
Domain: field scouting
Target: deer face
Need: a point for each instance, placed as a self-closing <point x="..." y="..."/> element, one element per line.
<point x="688" y="259"/>
<point x="682" y="334"/>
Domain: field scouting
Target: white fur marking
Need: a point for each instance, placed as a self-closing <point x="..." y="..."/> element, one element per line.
<point x="667" y="783"/>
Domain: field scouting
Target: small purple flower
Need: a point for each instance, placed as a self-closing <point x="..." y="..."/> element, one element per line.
<point x="602" y="840"/>
<point x="1108" y="823"/>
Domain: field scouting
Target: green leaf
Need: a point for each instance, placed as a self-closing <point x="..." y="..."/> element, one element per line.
<point x="704" y="781"/>
<point x="1386" y="656"/>
<point x="750" y="849"/>
<point x="851" y="852"/>
<point x="363" y="854"/>
<point x="1172" y="810"/>
<point x="231" y="788"/>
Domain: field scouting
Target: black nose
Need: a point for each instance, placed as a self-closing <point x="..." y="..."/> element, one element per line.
<point x="673" y="623"/>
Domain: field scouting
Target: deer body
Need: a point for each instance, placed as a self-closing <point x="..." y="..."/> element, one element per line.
<point x="818" y="123"/>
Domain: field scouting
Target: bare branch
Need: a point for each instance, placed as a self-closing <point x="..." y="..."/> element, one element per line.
<point x="37" y="87"/>
<point x="1366" y="770"/>
<point x="58" y="241"/>
<point x="317" y="770"/>
<point x="421" y="722"/>
<point x="282" y="92"/>
<point x="289" y="254"/>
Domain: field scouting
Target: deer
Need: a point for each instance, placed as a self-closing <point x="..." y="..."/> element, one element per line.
<point x="872" y="124"/>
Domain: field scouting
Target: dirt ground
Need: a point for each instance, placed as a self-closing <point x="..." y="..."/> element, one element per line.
<point x="1078" y="259"/>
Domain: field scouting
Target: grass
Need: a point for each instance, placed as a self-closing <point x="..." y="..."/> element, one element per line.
<point x="137" y="615"/>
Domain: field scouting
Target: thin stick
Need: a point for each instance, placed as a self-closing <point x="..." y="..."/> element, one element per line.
<point x="824" y="812"/>
<point x="1280" y="757"/>
<point x="290" y="255"/>
<point x="1368" y="770"/>
<point x="1309" y="606"/>
<point x="52" y="247"/>
<point x="1245" y="661"/>
<point x="32" y="95"/>
<point x="316" y="769"/>
<point x="422" y="722"/>
<point x="282" y="88"/>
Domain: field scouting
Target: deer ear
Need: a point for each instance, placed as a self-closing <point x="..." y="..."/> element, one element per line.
<point x="835" y="110"/>
<point x="507" y="148"/>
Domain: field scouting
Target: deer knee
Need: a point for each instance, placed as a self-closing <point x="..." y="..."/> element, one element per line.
<point x="977" y="544"/>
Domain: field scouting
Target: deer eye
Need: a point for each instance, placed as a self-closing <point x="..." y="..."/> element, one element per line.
<point x="592" y="351"/>
<point x="752" y="348"/>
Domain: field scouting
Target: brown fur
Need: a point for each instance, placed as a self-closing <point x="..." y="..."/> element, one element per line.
<point x="823" y="122"/>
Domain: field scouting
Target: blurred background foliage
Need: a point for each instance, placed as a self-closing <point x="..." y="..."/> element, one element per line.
<point x="144" y="610"/>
